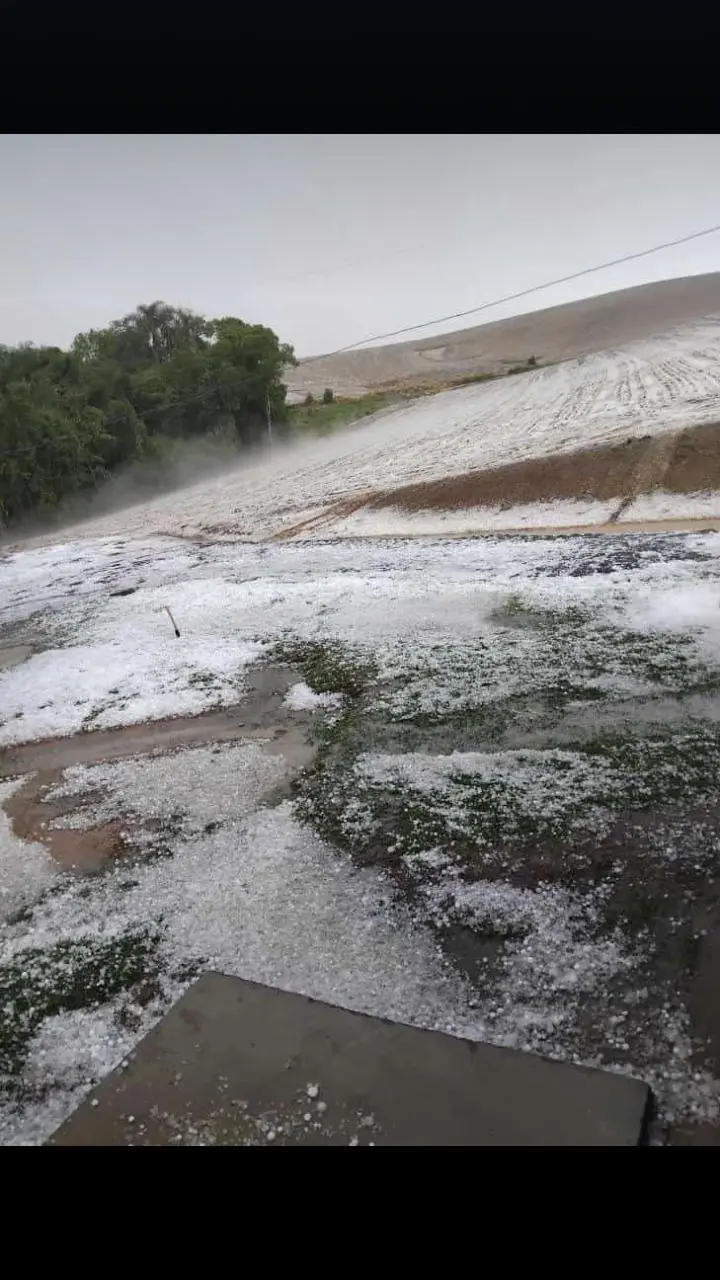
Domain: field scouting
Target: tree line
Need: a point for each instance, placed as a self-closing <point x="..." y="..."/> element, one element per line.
<point x="70" y="419"/>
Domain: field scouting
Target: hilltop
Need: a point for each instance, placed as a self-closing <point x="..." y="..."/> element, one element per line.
<point x="575" y="329"/>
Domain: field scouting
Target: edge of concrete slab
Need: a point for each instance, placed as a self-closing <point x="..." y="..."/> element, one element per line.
<point x="237" y="1063"/>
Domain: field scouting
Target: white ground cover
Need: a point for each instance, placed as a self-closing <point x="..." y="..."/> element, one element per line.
<point x="392" y="522"/>
<point x="262" y="895"/>
<point x="103" y="661"/>
<point x="655" y="385"/>
<point x="660" y="505"/>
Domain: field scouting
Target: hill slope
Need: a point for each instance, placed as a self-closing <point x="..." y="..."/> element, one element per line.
<point x="524" y="430"/>
<point x="557" y="333"/>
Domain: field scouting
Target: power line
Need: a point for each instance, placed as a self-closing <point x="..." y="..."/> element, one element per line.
<point x="511" y="297"/>
<point x="207" y="392"/>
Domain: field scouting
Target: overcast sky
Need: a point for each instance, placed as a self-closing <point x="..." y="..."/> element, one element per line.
<point x="332" y="238"/>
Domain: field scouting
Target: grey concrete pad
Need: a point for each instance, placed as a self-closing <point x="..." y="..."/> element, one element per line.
<point x="235" y="1063"/>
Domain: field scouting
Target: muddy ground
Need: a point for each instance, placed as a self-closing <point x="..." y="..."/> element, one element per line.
<point x="646" y="846"/>
<point x="678" y="902"/>
<point x="676" y="462"/>
<point x="260" y="717"/>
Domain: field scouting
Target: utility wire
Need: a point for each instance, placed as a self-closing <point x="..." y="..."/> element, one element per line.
<point x="511" y="297"/>
<point x="206" y="392"/>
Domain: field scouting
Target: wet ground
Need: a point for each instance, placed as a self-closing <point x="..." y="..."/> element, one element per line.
<point x="651" y="887"/>
<point x="644" y="861"/>
<point x="644" y="864"/>
<point x="238" y="1064"/>
<point x="261" y="718"/>
<point x="13" y="655"/>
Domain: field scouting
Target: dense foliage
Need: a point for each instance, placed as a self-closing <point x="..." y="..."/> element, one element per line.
<point x="69" y="419"/>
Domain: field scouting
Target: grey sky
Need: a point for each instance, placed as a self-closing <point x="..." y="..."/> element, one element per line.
<point x="331" y="238"/>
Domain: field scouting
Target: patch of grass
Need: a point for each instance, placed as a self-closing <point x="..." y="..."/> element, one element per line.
<point x="562" y="794"/>
<point x="467" y="379"/>
<point x="548" y="799"/>
<point x="533" y="815"/>
<point x="588" y="648"/>
<point x="386" y="821"/>
<point x="38" y="984"/>
<point x="321" y="419"/>
<point x="514" y="607"/>
<point x="327" y="666"/>
<point x="661" y="768"/>
<point x="202" y="680"/>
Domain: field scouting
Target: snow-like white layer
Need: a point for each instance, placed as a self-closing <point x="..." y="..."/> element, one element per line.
<point x="525" y="771"/>
<point x="554" y="960"/>
<point x="660" y="505"/>
<point x="76" y="1047"/>
<point x="116" y="661"/>
<point x="263" y="898"/>
<point x="26" y="868"/>
<point x="176" y="787"/>
<point x="302" y="698"/>
<point x="655" y="385"/>
<point x="35" y="582"/>
<point x="126" y="665"/>
<point x="392" y="522"/>
<point x="260" y="897"/>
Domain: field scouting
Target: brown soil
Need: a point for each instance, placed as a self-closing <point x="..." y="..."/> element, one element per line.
<point x="555" y="333"/>
<point x="56" y="754"/>
<point x="81" y="851"/>
<point x="678" y="462"/>
<point x="260" y="717"/>
<point x="339" y="510"/>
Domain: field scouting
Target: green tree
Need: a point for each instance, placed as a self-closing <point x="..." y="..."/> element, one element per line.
<point x="48" y="448"/>
<point x="244" y="375"/>
<point x="68" y="419"/>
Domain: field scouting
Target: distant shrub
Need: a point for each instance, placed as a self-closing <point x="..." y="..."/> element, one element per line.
<point x="468" y="378"/>
<point x="532" y="361"/>
<point x="328" y="395"/>
<point x="309" y="399"/>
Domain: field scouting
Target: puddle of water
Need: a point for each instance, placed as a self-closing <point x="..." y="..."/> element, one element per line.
<point x="12" y="655"/>
<point x="79" y="851"/>
<point x="587" y="722"/>
<point x="261" y="717"/>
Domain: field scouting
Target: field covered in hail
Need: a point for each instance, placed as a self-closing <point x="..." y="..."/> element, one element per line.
<point x="656" y="385"/>
<point x="509" y="828"/>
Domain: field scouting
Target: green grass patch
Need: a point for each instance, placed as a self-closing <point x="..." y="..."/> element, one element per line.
<point x="448" y="700"/>
<point x="38" y="984"/>
<point x="322" y="419"/>
<point x="497" y="696"/>
<point x="661" y="767"/>
<point x="574" y="647"/>
<point x="327" y="666"/>
<point x="544" y="796"/>
<point x="468" y="379"/>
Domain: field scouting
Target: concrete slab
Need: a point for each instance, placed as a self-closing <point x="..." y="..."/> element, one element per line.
<point x="235" y="1063"/>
